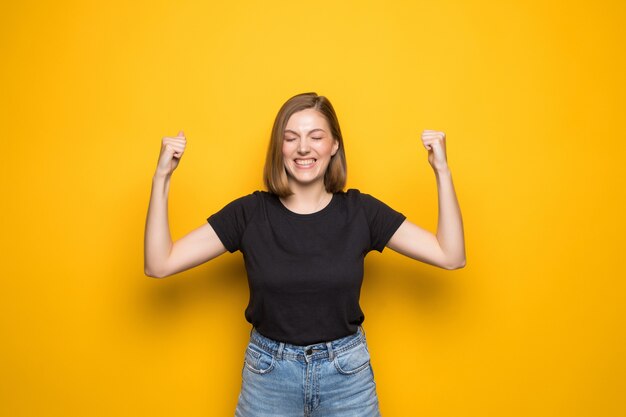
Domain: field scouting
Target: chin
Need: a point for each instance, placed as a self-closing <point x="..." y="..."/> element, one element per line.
<point x="305" y="180"/>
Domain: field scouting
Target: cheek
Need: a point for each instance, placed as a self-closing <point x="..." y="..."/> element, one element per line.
<point x="286" y="148"/>
<point x="324" y="149"/>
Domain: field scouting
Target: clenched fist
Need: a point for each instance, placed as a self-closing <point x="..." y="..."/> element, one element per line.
<point x="172" y="149"/>
<point x="435" y="142"/>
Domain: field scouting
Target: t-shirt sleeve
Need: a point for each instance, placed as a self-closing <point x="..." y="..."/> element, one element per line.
<point x="231" y="221"/>
<point x="383" y="221"/>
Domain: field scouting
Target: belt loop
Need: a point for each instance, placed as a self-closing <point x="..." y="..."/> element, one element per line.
<point x="331" y="353"/>
<point x="279" y="354"/>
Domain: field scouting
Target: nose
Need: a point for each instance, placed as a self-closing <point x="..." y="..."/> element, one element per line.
<point x="303" y="146"/>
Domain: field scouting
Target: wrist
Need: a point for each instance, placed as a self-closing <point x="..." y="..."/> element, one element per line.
<point x="445" y="170"/>
<point x="158" y="176"/>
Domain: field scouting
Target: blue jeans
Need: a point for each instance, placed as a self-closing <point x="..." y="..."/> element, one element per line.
<point x="325" y="379"/>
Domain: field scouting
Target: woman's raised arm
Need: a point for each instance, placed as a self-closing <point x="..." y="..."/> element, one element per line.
<point x="162" y="257"/>
<point x="446" y="249"/>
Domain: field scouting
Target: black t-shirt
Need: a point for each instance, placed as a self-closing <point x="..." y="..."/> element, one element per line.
<point x="305" y="270"/>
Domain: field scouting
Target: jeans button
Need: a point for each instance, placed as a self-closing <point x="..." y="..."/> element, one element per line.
<point x="309" y="351"/>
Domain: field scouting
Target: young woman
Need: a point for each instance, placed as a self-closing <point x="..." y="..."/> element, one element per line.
<point x="304" y="242"/>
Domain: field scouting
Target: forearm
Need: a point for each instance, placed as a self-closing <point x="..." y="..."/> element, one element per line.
<point x="449" y="223"/>
<point x="157" y="238"/>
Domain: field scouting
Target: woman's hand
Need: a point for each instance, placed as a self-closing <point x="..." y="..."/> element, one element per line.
<point x="172" y="149"/>
<point x="435" y="142"/>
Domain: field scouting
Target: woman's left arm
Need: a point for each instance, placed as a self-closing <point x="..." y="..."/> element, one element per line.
<point x="446" y="249"/>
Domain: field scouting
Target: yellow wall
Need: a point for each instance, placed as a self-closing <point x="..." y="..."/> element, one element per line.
<point x="529" y="93"/>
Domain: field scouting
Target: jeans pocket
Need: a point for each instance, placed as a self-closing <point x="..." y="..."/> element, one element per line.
<point x="258" y="360"/>
<point x="353" y="361"/>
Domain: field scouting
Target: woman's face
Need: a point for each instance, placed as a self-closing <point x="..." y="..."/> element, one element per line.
<point x="307" y="147"/>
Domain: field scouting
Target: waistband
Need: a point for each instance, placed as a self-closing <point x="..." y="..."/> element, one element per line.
<point x="321" y="350"/>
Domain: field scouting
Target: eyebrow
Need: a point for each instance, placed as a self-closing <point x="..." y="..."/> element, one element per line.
<point x="295" y="133"/>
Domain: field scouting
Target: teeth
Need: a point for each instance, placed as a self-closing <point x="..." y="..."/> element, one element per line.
<point x="305" y="161"/>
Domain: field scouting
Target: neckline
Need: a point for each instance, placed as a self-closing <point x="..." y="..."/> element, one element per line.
<point x="318" y="213"/>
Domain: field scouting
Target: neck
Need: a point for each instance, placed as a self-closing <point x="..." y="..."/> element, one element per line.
<point x="307" y="199"/>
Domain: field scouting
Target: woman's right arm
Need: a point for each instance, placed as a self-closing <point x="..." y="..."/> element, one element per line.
<point x="162" y="257"/>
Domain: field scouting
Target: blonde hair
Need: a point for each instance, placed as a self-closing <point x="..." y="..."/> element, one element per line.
<point x="274" y="174"/>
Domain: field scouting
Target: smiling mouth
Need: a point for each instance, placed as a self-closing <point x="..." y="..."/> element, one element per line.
<point x="305" y="162"/>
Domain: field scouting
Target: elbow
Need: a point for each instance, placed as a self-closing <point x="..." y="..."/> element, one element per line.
<point x="153" y="274"/>
<point x="455" y="265"/>
<point x="150" y="274"/>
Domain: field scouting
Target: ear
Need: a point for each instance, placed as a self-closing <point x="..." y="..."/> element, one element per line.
<point x="335" y="147"/>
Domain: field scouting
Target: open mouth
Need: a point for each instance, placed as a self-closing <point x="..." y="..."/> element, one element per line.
<point x="305" y="162"/>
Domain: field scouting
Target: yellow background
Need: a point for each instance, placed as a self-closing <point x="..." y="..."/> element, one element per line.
<point x="531" y="95"/>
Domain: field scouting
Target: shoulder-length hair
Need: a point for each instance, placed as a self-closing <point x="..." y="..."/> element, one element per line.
<point x="274" y="174"/>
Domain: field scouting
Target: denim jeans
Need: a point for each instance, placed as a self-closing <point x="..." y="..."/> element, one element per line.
<point x="326" y="379"/>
